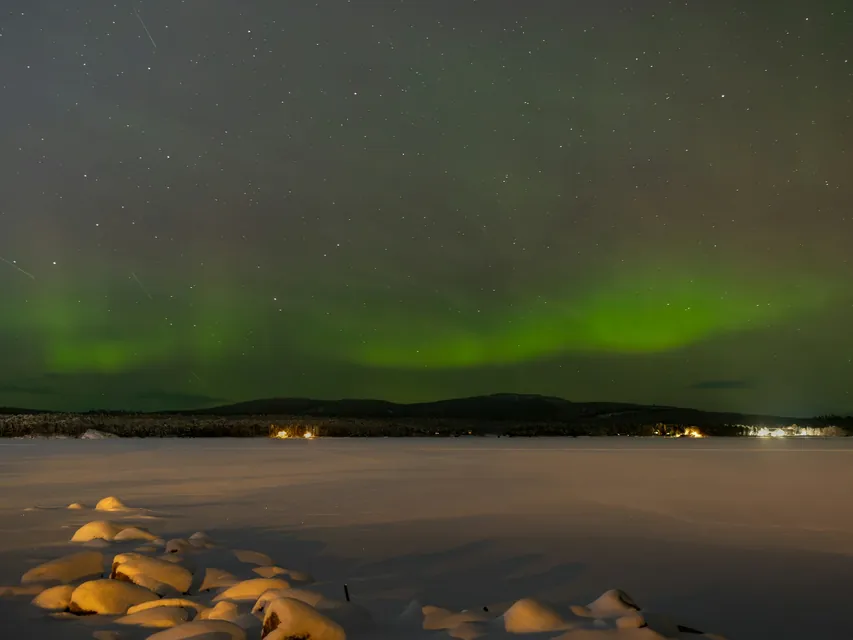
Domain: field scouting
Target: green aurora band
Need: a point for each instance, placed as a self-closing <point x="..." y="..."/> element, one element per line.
<point x="78" y="333"/>
<point x="649" y="311"/>
<point x="646" y="313"/>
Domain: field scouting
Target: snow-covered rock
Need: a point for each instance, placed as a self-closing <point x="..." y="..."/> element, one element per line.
<point x="611" y="604"/>
<point x="70" y="568"/>
<point x="288" y="618"/>
<point x="231" y="612"/>
<point x="156" y="618"/>
<point x="631" y="621"/>
<point x="110" y="503"/>
<point x="135" y="533"/>
<point x="202" y="629"/>
<point x="178" y="545"/>
<point x="201" y="540"/>
<point x="160" y="588"/>
<point x="108" y="597"/>
<point x="531" y="616"/>
<point x="222" y="611"/>
<point x="251" y="589"/>
<point x="55" y="599"/>
<point x="216" y="579"/>
<point x="309" y="597"/>
<point x="186" y="603"/>
<point x="661" y="623"/>
<point x="141" y="570"/>
<point x="270" y="571"/>
<point x="98" y="530"/>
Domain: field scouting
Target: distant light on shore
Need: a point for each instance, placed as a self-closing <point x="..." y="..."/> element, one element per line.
<point x="793" y="431"/>
<point x="284" y="434"/>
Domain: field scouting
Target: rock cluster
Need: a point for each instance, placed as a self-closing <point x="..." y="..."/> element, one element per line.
<point x="191" y="588"/>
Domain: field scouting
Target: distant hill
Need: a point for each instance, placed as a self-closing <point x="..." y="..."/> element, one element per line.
<point x="14" y="411"/>
<point x="501" y="406"/>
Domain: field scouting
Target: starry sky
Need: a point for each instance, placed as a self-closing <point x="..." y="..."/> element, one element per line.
<point x="212" y="201"/>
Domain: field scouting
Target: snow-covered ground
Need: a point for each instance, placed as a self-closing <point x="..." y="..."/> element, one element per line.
<point x="745" y="538"/>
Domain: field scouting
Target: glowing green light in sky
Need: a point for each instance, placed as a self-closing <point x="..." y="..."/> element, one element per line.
<point x="79" y="333"/>
<point x="634" y="312"/>
<point x="643" y="313"/>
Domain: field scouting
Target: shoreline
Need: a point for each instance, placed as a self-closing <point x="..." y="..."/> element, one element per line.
<point x="294" y="427"/>
<point x="108" y="436"/>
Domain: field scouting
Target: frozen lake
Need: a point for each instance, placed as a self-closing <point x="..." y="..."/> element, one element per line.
<point x="747" y="538"/>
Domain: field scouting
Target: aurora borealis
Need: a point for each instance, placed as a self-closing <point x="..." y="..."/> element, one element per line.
<point x="644" y="202"/>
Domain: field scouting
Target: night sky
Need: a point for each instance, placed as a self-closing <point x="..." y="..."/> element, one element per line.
<point x="212" y="201"/>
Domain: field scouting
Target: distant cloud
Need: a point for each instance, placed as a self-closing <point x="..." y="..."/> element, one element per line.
<point x="29" y="390"/>
<point x="168" y="399"/>
<point x="718" y="385"/>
